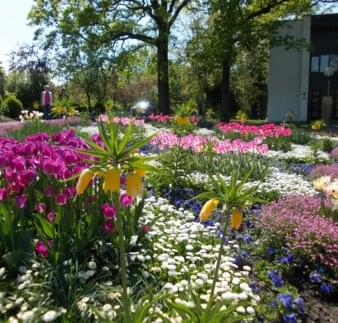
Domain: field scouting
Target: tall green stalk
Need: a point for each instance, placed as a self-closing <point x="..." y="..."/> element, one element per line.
<point x="123" y="265"/>
<point x="218" y="263"/>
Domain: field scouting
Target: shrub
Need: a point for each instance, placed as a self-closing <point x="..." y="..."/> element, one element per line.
<point x="11" y="107"/>
<point x="296" y="221"/>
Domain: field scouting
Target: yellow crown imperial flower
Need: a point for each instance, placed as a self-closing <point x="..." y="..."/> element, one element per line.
<point x="140" y="172"/>
<point x="111" y="181"/>
<point x="134" y="185"/>
<point x="84" y="180"/>
<point x="236" y="219"/>
<point x="207" y="209"/>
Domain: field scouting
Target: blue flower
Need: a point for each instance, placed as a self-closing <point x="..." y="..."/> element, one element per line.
<point x="299" y="303"/>
<point x="289" y="318"/>
<point x="315" y="277"/>
<point x="247" y="238"/>
<point x="326" y="288"/>
<point x="285" y="299"/>
<point x="277" y="280"/>
<point x="286" y="260"/>
<point x="271" y="251"/>
<point x="255" y="288"/>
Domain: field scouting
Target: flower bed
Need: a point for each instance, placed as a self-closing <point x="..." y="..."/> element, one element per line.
<point x="109" y="247"/>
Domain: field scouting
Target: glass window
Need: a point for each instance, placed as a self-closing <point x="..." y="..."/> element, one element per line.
<point x="315" y="64"/>
<point x="324" y="62"/>
<point x="334" y="60"/>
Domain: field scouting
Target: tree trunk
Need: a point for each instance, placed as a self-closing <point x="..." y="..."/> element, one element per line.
<point x="163" y="71"/>
<point x="225" y="92"/>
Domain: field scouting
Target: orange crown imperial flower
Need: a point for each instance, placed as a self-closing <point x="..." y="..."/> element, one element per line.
<point x="111" y="181"/>
<point x="207" y="209"/>
<point x="236" y="219"/>
<point x="134" y="185"/>
<point x="84" y="180"/>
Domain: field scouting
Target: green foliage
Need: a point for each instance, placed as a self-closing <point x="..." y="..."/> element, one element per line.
<point x="11" y="107"/>
<point x="324" y="144"/>
<point x="33" y="127"/>
<point x="280" y="143"/>
<point x="241" y="116"/>
<point x="299" y="137"/>
<point x="233" y="194"/>
<point x="185" y="109"/>
<point x="227" y="164"/>
<point x="174" y="170"/>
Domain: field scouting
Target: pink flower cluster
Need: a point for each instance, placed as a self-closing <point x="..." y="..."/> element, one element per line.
<point x="334" y="153"/>
<point x="198" y="143"/>
<point x="24" y="162"/>
<point x="325" y="170"/>
<point x="160" y="118"/>
<point x="124" y="121"/>
<point x="163" y="118"/>
<point x="296" y="220"/>
<point x="262" y="131"/>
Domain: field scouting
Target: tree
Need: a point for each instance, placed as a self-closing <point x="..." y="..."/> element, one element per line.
<point x="113" y="21"/>
<point x="29" y="73"/>
<point x="234" y="26"/>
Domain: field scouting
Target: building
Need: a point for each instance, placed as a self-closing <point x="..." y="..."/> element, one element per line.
<point x="297" y="78"/>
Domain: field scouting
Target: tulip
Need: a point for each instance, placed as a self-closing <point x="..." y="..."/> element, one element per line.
<point x="236" y="219"/>
<point x="111" y="181"/>
<point x="84" y="180"/>
<point x="207" y="209"/>
<point x="134" y="185"/>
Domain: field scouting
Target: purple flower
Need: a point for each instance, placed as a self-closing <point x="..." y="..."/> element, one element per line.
<point x="61" y="199"/>
<point x="108" y="211"/>
<point x="108" y="226"/>
<point x="285" y="299"/>
<point x="3" y="194"/>
<point x="126" y="200"/>
<point x="21" y="201"/>
<point x="41" y="249"/>
<point x="70" y="192"/>
<point x="51" y="216"/>
<point x="40" y="208"/>
<point x="19" y="164"/>
<point x="27" y="177"/>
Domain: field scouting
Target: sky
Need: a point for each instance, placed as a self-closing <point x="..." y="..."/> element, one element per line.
<point x="13" y="26"/>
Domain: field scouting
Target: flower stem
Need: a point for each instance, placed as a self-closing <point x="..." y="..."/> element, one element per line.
<point x="218" y="263"/>
<point x="123" y="265"/>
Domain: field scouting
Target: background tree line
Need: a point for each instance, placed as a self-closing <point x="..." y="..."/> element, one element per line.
<point x="214" y="52"/>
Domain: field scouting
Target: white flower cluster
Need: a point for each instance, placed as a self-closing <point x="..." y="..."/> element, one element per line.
<point x="277" y="181"/>
<point x="26" y="115"/>
<point x="285" y="183"/>
<point x="184" y="255"/>
<point x="300" y="153"/>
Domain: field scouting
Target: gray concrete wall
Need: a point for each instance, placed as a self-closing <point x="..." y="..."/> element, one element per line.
<point x="289" y="75"/>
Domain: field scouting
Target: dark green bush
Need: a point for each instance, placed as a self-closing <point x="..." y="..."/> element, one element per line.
<point x="11" y="107"/>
